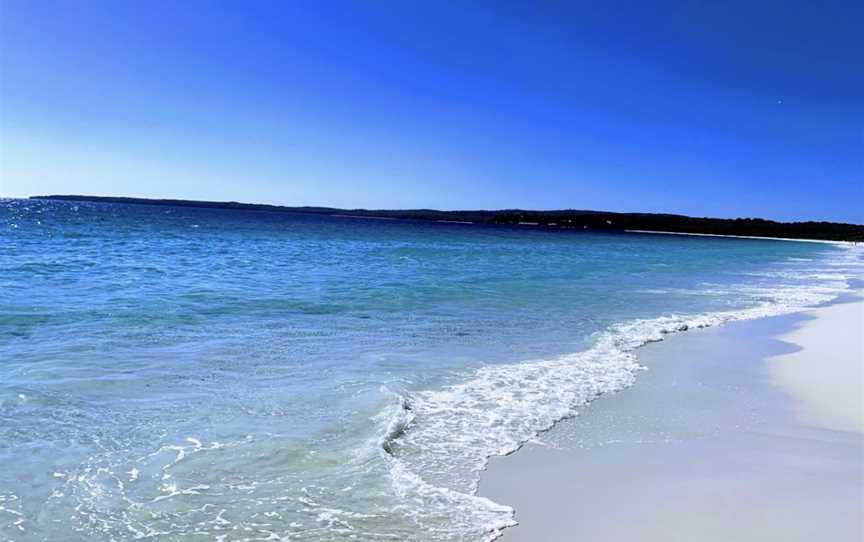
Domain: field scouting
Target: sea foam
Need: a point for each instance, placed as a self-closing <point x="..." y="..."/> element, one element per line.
<point x="437" y="442"/>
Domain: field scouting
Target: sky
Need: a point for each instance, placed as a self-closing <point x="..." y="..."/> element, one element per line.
<point x="720" y="109"/>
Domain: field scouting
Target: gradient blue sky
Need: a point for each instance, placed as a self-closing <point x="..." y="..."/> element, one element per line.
<point x="704" y="108"/>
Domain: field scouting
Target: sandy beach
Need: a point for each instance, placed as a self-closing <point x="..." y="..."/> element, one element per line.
<point x="749" y="431"/>
<point x="827" y="373"/>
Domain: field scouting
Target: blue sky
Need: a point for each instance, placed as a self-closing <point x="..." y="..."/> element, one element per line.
<point x="703" y="108"/>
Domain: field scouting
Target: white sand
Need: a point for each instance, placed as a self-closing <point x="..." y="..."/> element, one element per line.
<point x="711" y="444"/>
<point x="840" y="243"/>
<point x="827" y="374"/>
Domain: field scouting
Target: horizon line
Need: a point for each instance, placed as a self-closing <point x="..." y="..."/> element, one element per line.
<point x="276" y="206"/>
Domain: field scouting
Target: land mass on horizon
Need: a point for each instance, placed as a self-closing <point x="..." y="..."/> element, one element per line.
<point x="562" y="219"/>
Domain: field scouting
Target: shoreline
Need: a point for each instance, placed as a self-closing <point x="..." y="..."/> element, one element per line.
<point x="823" y="241"/>
<point x="709" y="428"/>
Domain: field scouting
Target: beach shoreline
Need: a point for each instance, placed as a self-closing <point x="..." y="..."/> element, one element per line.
<point x="756" y="237"/>
<point x="717" y="439"/>
<point x="339" y="379"/>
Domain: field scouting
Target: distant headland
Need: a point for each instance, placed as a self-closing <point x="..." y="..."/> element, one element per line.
<point x="561" y="219"/>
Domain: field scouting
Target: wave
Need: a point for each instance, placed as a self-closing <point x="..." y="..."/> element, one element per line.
<point x="437" y="442"/>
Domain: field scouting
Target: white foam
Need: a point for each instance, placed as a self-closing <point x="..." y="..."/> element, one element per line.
<point x="438" y="441"/>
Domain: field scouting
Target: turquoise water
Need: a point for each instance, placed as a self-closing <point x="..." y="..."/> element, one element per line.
<point x="172" y="373"/>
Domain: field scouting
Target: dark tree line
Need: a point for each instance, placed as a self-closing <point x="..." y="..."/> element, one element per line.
<point x="757" y="227"/>
<point x="567" y="219"/>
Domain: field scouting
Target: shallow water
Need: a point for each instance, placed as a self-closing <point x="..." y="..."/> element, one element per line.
<point x="211" y="374"/>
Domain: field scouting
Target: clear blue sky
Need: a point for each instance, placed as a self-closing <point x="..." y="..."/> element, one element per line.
<point x="705" y="108"/>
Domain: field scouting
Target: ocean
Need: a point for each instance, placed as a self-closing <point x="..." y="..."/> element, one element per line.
<point x="176" y="373"/>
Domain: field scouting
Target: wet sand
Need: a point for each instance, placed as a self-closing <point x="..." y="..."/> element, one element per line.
<point x="722" y="438"/>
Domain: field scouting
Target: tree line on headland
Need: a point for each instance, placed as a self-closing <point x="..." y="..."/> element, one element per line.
<point x="562" y="219"/>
